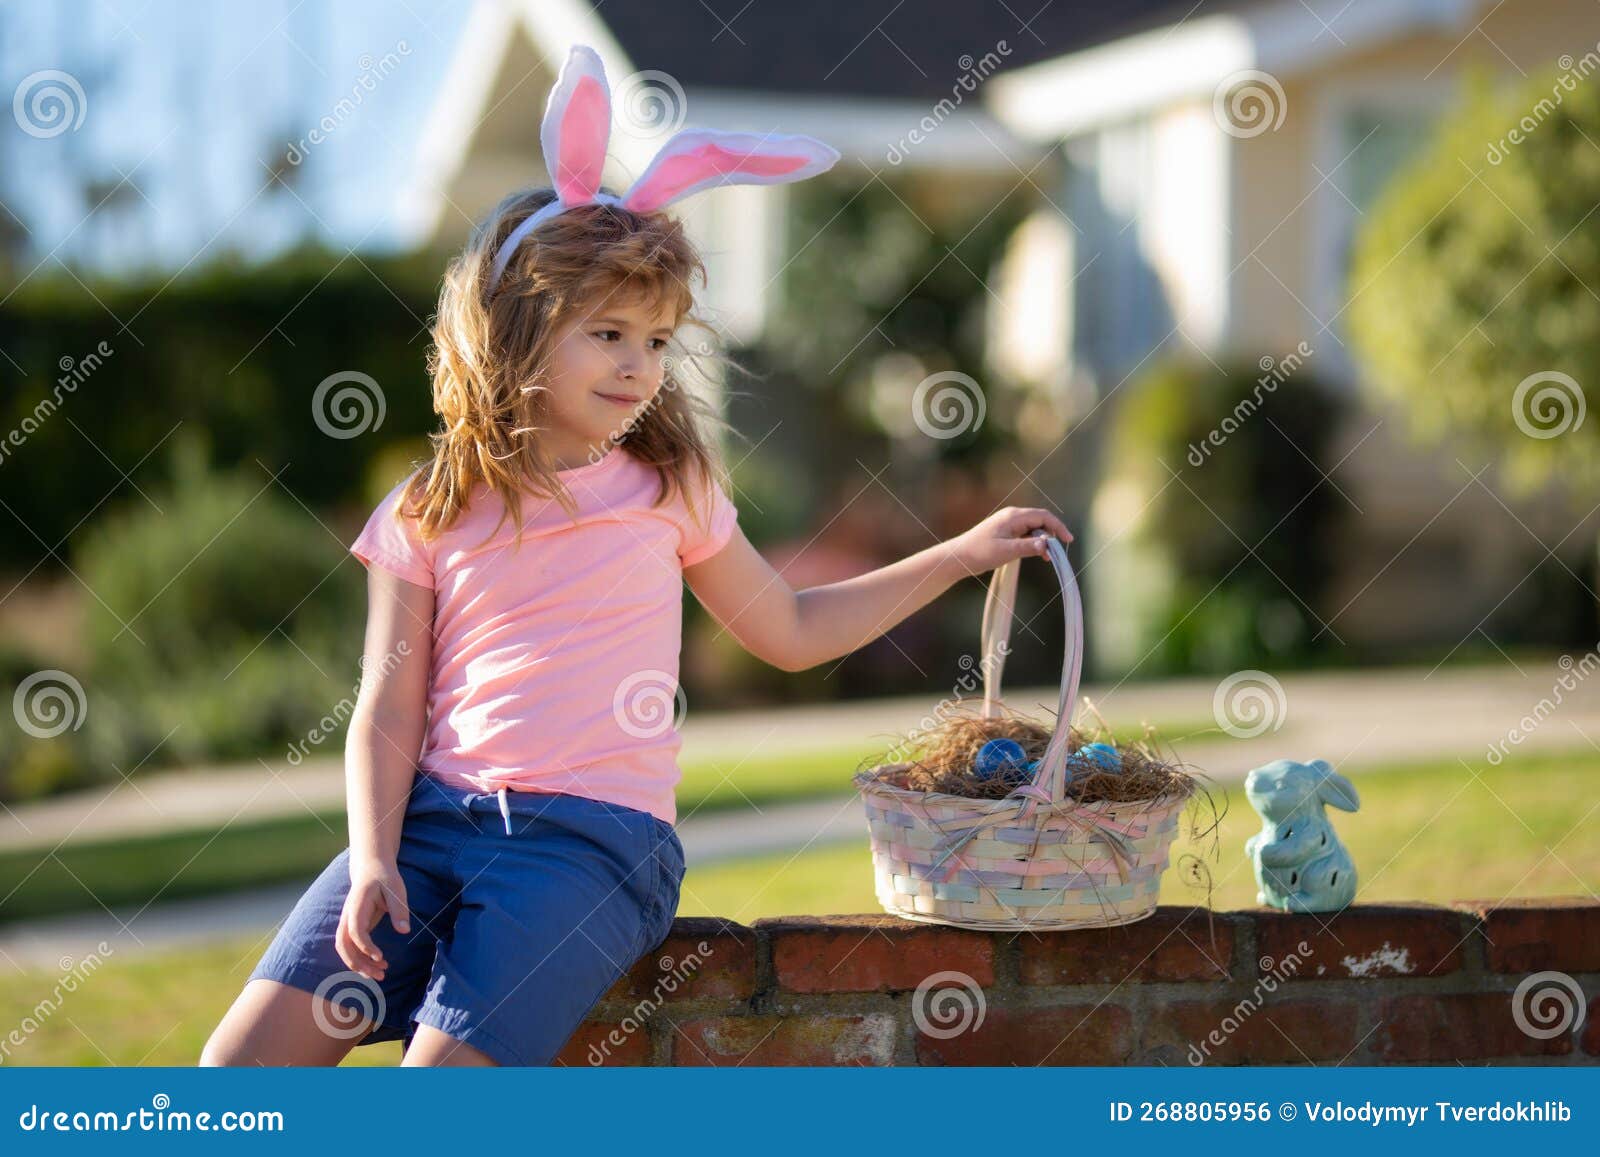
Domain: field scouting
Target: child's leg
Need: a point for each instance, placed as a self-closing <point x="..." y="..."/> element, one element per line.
<point x="302" y="1004"/>
<point x="273" y="1024"/>
<point x="432" y="1048"/>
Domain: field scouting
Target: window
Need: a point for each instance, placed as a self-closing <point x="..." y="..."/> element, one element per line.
<point x="1368" y="133"/>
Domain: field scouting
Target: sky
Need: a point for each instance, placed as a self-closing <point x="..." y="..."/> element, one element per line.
<point x="169" y="113"/>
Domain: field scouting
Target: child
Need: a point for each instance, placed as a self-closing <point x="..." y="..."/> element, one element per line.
<point x="524" y="627"/>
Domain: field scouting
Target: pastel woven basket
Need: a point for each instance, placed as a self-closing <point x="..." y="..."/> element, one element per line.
<point x="1035" y="859"/>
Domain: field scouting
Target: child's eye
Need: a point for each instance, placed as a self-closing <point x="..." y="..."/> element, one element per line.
<point x="656" y="343"/>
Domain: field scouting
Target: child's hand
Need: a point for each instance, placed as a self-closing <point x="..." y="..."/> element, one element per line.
<point x="375" y="888"/>
<point x="1005" y="535"/>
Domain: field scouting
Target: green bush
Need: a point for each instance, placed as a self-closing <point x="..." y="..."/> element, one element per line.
<point x="226" y="621"/>
<point x="1473" y="273"/>
<point x="1245" y="532"/>
<point x="238" y="351"/>
<point x="52" y="760"/>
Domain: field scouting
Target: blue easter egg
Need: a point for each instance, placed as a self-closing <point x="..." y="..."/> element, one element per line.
<point x="1099" y="757"/>
<point x="996" y="755"/>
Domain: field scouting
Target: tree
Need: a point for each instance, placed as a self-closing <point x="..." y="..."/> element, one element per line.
<point x="1475" y="283"/>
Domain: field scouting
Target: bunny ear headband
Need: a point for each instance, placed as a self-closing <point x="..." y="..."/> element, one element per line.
<point x="577" y="127"/>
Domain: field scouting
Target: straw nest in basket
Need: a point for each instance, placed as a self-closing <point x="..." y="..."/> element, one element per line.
<point x="943" y="759"/>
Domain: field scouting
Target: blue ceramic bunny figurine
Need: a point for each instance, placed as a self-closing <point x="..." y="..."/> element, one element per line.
<point x="1300" y="864"/>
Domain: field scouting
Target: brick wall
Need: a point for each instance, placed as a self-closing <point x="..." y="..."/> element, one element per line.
<point x="1374" y="984"/>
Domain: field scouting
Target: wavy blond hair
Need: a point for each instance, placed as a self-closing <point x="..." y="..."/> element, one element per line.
<point x="490" y="356"/>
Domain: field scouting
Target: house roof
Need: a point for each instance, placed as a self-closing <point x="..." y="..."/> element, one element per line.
<point x="902" y="49"/>
<point x="1168" y="58"/>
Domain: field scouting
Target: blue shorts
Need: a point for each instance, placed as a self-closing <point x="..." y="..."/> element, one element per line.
<point x="526" y="907"/>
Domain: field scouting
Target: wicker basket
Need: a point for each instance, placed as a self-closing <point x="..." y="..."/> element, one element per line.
<point x="1034" y="859"/>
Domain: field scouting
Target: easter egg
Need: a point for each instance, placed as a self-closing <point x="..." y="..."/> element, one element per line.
<point x="1098" y="757"/>
<point x="996" y="755"/>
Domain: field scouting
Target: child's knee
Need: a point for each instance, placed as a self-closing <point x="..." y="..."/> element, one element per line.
<point x="272" y="1024"/>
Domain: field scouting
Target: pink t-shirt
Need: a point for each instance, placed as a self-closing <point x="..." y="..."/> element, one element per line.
<point x="555" y="666"/>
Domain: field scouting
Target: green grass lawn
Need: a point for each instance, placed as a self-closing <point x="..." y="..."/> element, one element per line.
<point x="155" y="1010"/>
<point x="1428" y="832"/>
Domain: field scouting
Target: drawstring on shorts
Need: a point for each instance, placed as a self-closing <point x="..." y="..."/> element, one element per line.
<point x="505" y="807"/>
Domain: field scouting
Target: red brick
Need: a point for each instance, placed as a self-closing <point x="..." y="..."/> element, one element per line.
<point x="1467" y="1026"/>
<point x="1256" y="1027"/>
<point x="866" y="1039"/>
<point x="1076" y="1034"/>
<point x="1173" y="943"/>
<point x="871" y="953"/>
<point x="1364" y="941"/>
<point x="681" y="969"/>
<point x="1532" y="935"/>
<point x="607" y="1043"/>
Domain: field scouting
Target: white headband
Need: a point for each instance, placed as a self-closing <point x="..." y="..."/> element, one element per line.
<point x="577" y="128"/>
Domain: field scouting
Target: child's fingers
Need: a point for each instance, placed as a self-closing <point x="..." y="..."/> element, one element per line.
<point x="1038" y="518"/>
<point x="361" y="934"/>
<point x="359" y="961"/>
<point x="347" y="951"/>
<point x="357" y="925"/>
<point x="399" y="910"/>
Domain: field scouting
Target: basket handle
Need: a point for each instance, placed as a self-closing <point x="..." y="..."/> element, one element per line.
<point x="998" y="610"/>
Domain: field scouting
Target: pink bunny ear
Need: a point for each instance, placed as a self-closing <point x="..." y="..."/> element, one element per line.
<point x="577" y="127"/>
<point x="696" y="159"/>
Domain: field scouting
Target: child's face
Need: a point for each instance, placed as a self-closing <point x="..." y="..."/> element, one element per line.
<point x="605" y="351"/>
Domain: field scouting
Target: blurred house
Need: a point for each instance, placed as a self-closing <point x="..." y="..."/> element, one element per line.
<point x="1217" y="161"/>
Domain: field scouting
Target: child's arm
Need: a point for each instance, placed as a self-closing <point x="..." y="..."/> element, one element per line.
<point x="795" y="630"/>
<point x="381" y="750"/>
